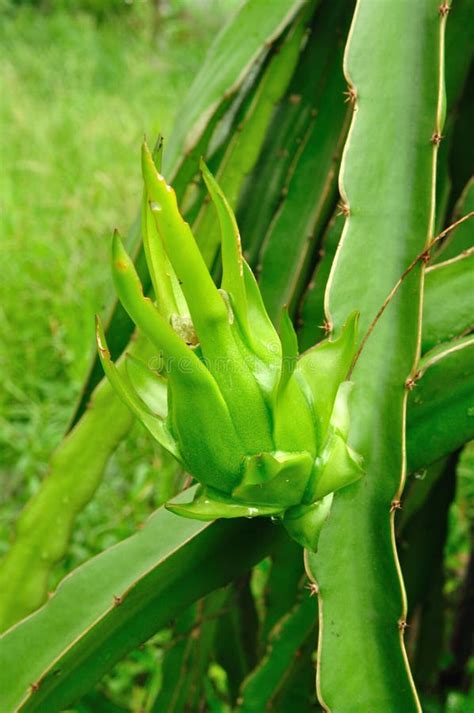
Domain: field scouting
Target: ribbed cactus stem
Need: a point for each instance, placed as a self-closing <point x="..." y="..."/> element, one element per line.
<point x="387" y="183"/>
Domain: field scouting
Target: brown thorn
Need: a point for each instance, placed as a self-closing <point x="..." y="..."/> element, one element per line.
<point x="396" y="505"/>
<point x="410" y="383"/>
<point x="350" y="94"/>
<point x="444" y="9"/>
<point x="313" y="588"/>
<point x="117" y="600"/>
<point x="326" y="326"/>
<point x="343" y="209"/>
<point x="436" y="138"/>
<point x="402" y="625"/>
<point x="34" y="687"/>
<point x="295" y="98"/>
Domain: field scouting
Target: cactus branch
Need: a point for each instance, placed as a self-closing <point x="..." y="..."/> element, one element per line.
<point x="423" y="256"/>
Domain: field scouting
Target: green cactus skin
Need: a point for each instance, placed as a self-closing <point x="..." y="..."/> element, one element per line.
<point x="262" y="430"/>
<point x="312" y="318"/>
<point x="106" y="608"/>
<point x="462" y="237"/>
<point x="444" y="393"/>
<point x="243" y="149"/>
<point x="388" y="187"/>
<point x="311" y="194"/>
<point x="266" y="188"/>
<point x="282" y="585"/>
<point x="422" y="561"/>
<point x="185" y="664"/>
<point x="447" y="287"/>
<point x="260" y="688"/>
<point x="235" y="645"/>
<point x="245" y="39"/>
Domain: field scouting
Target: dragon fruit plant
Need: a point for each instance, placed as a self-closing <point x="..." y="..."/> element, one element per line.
<point x="336" y="131"/>
<point x="261" y="428"/>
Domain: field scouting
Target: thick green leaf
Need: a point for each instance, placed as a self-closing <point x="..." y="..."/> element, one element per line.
<point x="117" y="600"/>
<point x="184" y="665"/>
<point x="242" y="151"/>
<point x="237" y="47"/>
<point x="311" y="190"/>
<point x="417" y="491"/>
<point x="282" y="585"/>
<point x="266" y="187"/>
<point x="462" y="237"/>
<point x="236" y="638"/>
<point x="461" y="157"/>
<point x="297" y="692"/>
<point x="459" y="55"/>
<point x="312" y="317"/>
<point x="448" y="307"/>
<point x="387" y="177"/>
<point x="285" y="640"/>
<point x="443" y="394"/>
<point x="421" y="546"/>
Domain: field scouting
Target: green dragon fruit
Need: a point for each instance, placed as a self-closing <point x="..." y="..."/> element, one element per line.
<point x="261" y="428"/>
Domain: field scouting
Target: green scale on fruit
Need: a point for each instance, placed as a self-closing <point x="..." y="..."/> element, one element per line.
<point x="262" y="428"/>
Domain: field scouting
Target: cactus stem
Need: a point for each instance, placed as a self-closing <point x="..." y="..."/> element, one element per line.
<point x="424" y="257"/>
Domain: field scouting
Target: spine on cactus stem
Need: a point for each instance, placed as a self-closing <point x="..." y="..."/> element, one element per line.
<point x="389" y="221"/>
